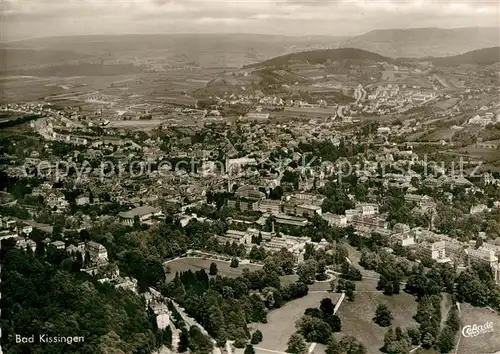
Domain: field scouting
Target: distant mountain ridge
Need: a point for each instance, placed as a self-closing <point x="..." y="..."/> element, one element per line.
<point x="425" y="42"/>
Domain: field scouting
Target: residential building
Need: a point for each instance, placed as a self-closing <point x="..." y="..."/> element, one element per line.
<point x="97" y="252"/>
<point x="23" y="244"/>
<point x="58" y="244"/>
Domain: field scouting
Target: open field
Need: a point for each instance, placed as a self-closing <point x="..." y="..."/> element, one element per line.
<point x="195" y="264"/>
<point x="485" y="154"/>
<point x="440" y="134"/>
<point x="487" y="343"/>
<point x="357" y="317"/>
<point x="444" y="105"/>
<point x="281" y="322"/>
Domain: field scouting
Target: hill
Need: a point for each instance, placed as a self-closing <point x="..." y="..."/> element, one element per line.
<point x="425" y="42"/>
<point x="321" y="56"/>
<point x="485" y="56"/>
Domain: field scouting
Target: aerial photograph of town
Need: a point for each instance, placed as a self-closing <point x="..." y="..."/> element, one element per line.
<point x="250" y="177"/>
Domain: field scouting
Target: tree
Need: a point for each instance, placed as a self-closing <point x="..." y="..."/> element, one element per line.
<point x="389" y="339"/>
<point x="351" y="273"/>
<point x="334" y="322"/>
<point x="427" y="340"/>
<point x="314" y="329"/>
<point x="350" y="294"/>
<point x="327" y="306"/>
<point x="333" y="347"/>
<point x="240" y="343"/>
<point x="414" y="335"/>
<point x="234" y="263"/>
<point x="314" y="312"/>
<point x="296" y="344"/>
<point x="183" y="342"/>
<point x="383" y="316"/>
<point x="446" y="340"/>
<point x="307" y="271"/>
<point x="256" y="337"/>
<point x="198" y="342"/>
<point x="350" y="345"/>
<point x="249" y="349"/>
<point x="213" y="268"/>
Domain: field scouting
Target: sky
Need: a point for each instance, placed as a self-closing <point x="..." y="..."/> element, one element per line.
<point x="40" y="18"/>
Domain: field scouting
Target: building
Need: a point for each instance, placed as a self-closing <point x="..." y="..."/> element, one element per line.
<point x="240" y="237"/>
<point x="5" y="234"/>
<point x="242" y="204"/>
<point x="270" y="206"/>
<point x="351" y="213"/>
<point x="143" y="213"/>
<point x="456" y="252"/>
<point x="249" y="192"/>
<point x="371" y="222"/>
<point x="476" y="209"/>
<point x="405" y="240"/>
<point x="23" y="244"/>
<point x="291" y="220"/>
<point x="305" y="210"/>
<point x="334" y="219"/>
<point x="126" y="283"/>
<point x="424" y="202"/>
<point x="97" y="252"/>
<point x="487" y="256"/>
<point x="257" y="116"/>
<point x="79" y="248"/>
<point x="367" y="209"/>
<point x="434" y="250"/>
<point x="58" y="244"/>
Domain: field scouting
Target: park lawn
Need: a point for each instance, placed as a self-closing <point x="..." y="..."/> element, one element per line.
<point x="357" y="317"/>
<point x="281" y="322"/>
<point x="487" y="343"/>
<point x="195" y="264"/>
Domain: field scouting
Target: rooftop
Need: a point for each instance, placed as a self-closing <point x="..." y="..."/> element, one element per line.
<point x="139" y="211"/>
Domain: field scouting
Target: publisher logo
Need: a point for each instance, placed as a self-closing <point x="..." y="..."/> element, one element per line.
<point x="475" y="330"/>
